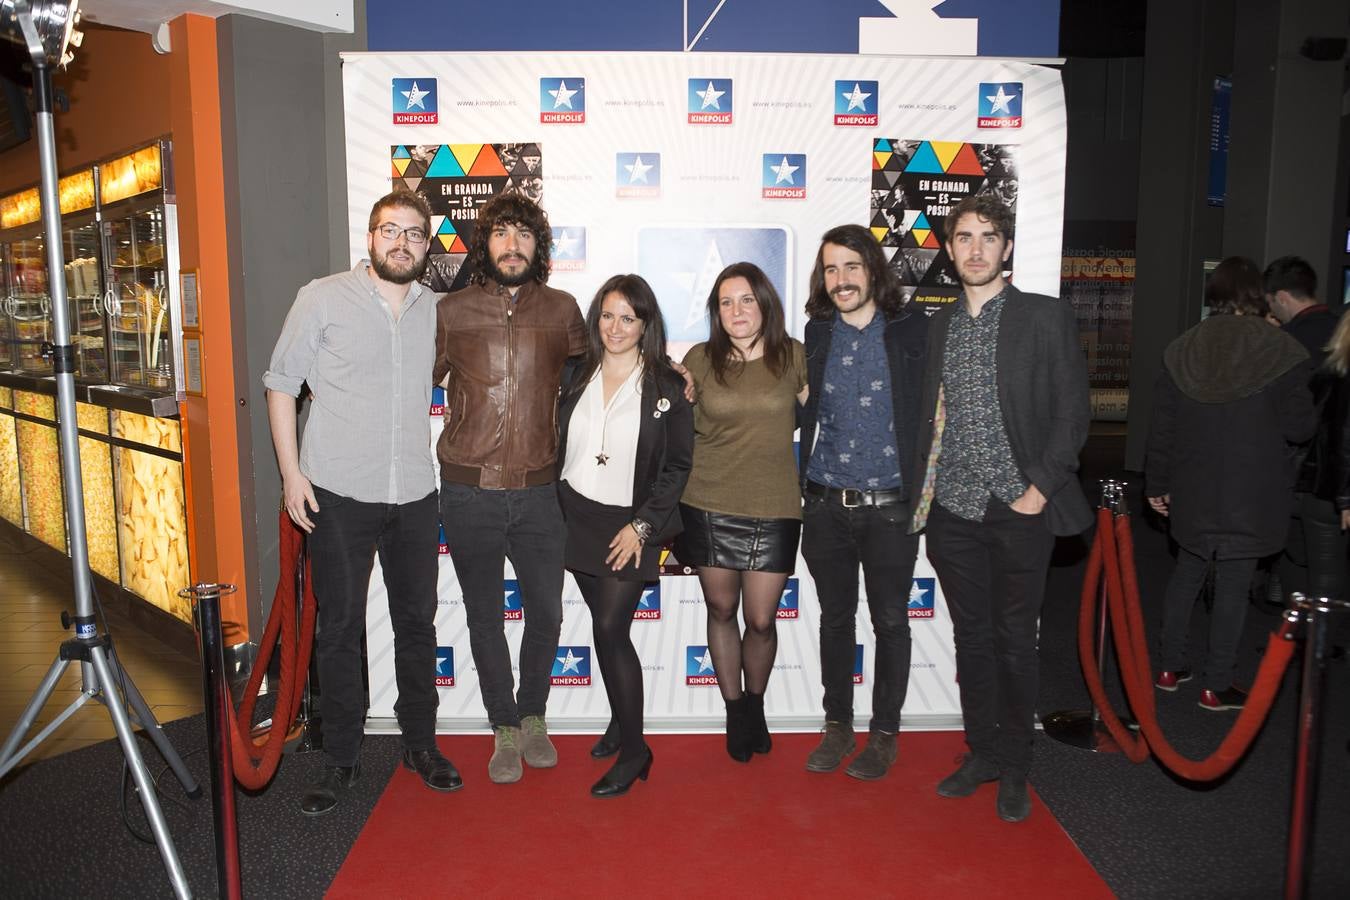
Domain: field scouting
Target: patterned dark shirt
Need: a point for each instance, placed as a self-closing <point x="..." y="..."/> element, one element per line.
<point x="855" y="446"/>
<point x="976" y="459"/>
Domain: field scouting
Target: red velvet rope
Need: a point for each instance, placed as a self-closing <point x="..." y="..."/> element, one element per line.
<point x="1112" y="557"/>
<point x="255" y="761"/>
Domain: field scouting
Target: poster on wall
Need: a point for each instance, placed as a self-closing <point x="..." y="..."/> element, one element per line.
<point x="1098" y="279"/>
<point x="915" y="184"/>
<point x="673" y="166"/>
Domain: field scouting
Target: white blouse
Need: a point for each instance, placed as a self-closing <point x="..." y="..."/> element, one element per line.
<point x="613" y="432"/>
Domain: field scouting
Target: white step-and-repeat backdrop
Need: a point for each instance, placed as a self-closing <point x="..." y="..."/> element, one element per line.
<point x="673" y="166"/>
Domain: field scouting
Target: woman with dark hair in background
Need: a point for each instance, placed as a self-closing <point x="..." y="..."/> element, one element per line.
<point x="625" y="448"/>
<point x="742" y="507"/>
<point x="1232" y="397"/>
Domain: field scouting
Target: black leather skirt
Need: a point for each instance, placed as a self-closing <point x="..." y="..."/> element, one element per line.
<point x="737" y="542"/>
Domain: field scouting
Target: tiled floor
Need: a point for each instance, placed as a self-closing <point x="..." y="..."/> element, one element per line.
<point x="31" y="599"/>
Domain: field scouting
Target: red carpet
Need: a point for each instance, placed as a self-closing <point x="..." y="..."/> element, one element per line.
<point x="704" y="825"/>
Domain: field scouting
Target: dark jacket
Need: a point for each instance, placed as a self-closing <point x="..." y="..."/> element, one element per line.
<point x="1043" y="395"/>
<point x="505" y="360"/>
<point x="906" y="339"/>
<point x="1232" y="397"/>
<point x="1328" y="461"/>
<point x="665" y="450"/>
<point x="1312" y="328"/>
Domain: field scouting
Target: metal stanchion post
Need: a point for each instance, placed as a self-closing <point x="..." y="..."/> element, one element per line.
<point x="1083" y="728"/>
<point x="219" y="713"/>
<point x="1316" y="614"/>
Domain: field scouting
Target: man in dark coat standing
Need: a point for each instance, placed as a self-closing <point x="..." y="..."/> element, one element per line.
<point x="1232" y="397"/>
<point x="1004" y="415"/>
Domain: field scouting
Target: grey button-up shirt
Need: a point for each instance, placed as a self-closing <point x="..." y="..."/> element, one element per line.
<point x="976" y="459"/>
<point x="368" y="436"/>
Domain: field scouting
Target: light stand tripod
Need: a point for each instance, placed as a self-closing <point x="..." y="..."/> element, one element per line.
<point x="102" y="674"/>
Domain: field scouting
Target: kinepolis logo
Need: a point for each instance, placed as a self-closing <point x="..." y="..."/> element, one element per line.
<point x="698" y="665"/>
<point x="921" y="597"/>
<point x="437" y="401"/>
<point x="784" y="176"/>
<point x="445" y="667"/>
<point x="512" y="610"/>
<point x="857" y="663"/>
<point x="414" y="101"/>
<point x="709" y="101"/>
<point x="571" y="667"/>
<point x="1000" y="104"/>
<point x="855" y="103"/>
<point x="637" y="174"/>
<point x="788" y="603"/>
<point x="569" y="248"/>
<point x="562" y="100"/>
<point x="442" y="546"/>
<point x="649" y="606"/>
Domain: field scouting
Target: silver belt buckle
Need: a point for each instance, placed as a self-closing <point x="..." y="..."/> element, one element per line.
<point x="846" y="493"/>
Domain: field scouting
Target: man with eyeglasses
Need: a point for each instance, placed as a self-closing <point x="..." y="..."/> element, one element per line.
<point x="363" y="482"/>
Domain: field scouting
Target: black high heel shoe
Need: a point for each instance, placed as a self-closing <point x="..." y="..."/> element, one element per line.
<point x="621" y="776"/>
<point x="608" y="744"/>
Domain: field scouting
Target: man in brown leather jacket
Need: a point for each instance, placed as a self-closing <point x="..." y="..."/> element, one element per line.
<point x="503" y="342"/>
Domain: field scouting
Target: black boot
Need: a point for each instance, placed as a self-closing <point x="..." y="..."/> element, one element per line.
<point x="738" y="738"/>
<point x="757" y="730"/>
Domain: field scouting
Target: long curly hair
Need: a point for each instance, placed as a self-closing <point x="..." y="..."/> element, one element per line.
<point x="882" y="286"/>
<point x="722" y="354"/>
<point x="517" y="210"/>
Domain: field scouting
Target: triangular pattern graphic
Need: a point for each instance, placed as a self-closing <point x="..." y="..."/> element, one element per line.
<point x="911" y="219"/>
<point x="945" y="151"/>
<point x="892" y="177"/>
<point x="401" y="165"/>
<point x="458" y="246"/>
<point x="412" y="183"/>
<point x="966" y="163"/>
<point x="921" y="235"/>
<point x="487" y="163"/>
<point x="446" y="240"/>
<point x="890" y="252"/>
<point x="445" y="165"/>
<point x="930" y="242"/>
<point x="879" y="160"/>
<point x="466" y="154"/>
<point x="924" y="161"/>
<point x="879" y="232"/>
<point x="921" y="222"/>
<point x="415" y="168"/>
<point x="401" y="152"/>
<point x="445" y="226"/>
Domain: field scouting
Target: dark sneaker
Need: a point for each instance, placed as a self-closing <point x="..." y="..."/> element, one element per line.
<point x="1014" y="804"/>
<point x="321" y="796"/>
<point x="1168" y="681"/>
<point x="967" y="779"/>
<point x="837" y="742"/>
<point x="876" y="759"/>
<point x="436" y="772"/>
<point x="1228" y="698"/>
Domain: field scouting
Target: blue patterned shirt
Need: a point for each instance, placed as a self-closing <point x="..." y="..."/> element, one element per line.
<point x="855" y="446"/>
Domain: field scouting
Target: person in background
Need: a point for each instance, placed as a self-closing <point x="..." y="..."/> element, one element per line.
<point x="626" y="444"/>
<point x="1232" y="397"/>
<point x="742" y="507"/>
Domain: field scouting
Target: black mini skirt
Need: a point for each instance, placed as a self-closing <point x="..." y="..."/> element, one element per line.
<point x="590" y="528"/>
<point x="737" y="542"/>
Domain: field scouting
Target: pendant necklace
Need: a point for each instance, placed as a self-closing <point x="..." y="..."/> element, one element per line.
<point x="602" y="458"/>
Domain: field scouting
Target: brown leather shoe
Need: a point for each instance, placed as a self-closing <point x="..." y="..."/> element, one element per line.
<point x="837" y="742"/>
<point x="876" y="759"/>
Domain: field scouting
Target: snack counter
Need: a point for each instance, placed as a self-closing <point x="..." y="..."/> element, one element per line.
<point x="121" y="274"/>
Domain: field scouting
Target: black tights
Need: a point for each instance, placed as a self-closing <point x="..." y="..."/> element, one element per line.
<point x="724" y="590"/>
<point x="612" y="603"/>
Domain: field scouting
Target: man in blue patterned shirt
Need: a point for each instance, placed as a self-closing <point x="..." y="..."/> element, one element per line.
<point x="864" y="360"/>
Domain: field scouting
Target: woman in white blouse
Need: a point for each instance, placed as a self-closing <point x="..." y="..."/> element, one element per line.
<point x="626" y="445"/>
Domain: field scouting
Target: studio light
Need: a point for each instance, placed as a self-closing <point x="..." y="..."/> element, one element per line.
<point x="54" y="23"/>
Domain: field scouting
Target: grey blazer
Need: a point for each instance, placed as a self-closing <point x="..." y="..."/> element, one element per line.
<point x="1043" y="394"/>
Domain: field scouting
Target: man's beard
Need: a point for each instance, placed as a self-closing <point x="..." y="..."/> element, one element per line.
<point x="970" y="281"/>
<point x="521" y="277"/>
<point x="396" y="272"/>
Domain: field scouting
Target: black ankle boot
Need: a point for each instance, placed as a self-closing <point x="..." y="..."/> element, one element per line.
<point x="757" y="730"/>
<point x="621" y="776"/>
<point x="738" y="737"/>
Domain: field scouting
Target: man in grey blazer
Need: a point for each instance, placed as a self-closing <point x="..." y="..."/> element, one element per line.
<point x="1005" y="413"/>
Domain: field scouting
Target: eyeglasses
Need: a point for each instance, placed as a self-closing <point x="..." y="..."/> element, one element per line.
<point x="391" y="232"/>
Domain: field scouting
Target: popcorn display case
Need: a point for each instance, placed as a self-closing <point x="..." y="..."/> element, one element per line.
<point x="120" y="249"/>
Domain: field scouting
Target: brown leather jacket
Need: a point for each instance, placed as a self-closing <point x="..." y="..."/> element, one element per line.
<point x="505" y="360"/>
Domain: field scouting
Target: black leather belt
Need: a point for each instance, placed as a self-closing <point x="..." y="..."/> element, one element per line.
<point x="851" y="498"/>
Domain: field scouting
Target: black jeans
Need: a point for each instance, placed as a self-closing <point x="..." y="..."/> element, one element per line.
<point x="485" y="528"/>
<point x="1232" y="578"/>
<point x="993" y="576"/>
<point x="835" y="540"/>
<point x="347" y="535"/>
<point x="1314" y="559"/>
